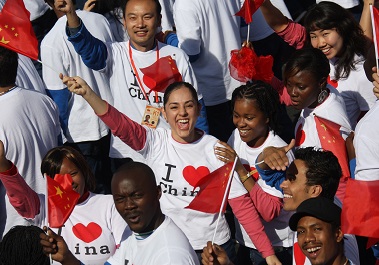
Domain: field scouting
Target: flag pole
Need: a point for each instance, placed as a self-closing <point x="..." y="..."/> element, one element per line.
<point x="47" y="210"/>
<point x="374" y="31"/>
<point x="49" y="66"/>
<point x="248" y="33"/>
<point x="224" y="198"/>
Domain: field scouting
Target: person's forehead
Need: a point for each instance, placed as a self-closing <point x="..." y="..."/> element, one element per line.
<point x="149" y="5"/>
<point x="309" y="221"/>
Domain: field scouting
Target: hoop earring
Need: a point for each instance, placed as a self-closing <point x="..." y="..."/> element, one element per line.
<point x="322" y="96"/>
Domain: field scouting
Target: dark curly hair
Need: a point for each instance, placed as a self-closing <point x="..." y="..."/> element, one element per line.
<point x="323" y="169"/>
<point x="266" y="98"/>
<point x="21" y="246"/>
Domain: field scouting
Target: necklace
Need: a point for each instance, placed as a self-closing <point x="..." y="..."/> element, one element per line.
<point x="9" y="90"/>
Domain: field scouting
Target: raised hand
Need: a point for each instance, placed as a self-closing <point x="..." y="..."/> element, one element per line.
<point x="89" y="5"/>
<point x="214" y="255"/>
<point x="54" y="245"/>
<point x="76" y="85"/>
<point x="67" y="7"/>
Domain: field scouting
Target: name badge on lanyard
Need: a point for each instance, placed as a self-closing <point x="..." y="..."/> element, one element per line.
<point x="152" y="114"/>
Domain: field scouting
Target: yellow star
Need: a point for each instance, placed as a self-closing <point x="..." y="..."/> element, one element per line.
<point x="6" y="26"/>
<point x="16" y="34"/>
<point x="323" y="126"/>
<point x="13" y="28"/>
<point x="329" y="141"/>
<point x="59" y="191"/>
<point x="4" y="41"/>
<point x="1" y="29"/>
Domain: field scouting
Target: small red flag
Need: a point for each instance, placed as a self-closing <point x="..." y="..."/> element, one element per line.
<point x="212" y="190"/>
<point x="161" y="74"/>
<point x="61" y="199"/>
<point x="360" y="211"/>
<point x="331" y="140"/>
<point x="248" y="9"/>
<point x="16" y="32"/>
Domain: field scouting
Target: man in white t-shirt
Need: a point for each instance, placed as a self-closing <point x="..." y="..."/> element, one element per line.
<point x="82" y="129"/>
<point x="29" y="128"/>
<point x="156" y="239"/>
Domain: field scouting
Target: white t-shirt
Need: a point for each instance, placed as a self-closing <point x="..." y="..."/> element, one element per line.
<point x="29" y="128"/>
<point x="93" y="230"/>
<point x="356" y="91"/>
<point x="36" y="8"/>
<point x="367" y="146"/>
<point x="59" y="53"/>
<point x="128" y="97"/>
<point x="27" y="75"/>
<point x="167" y="245"/>
<point x="331" y="109"/>
<point x="168" y="159"/>
<point x="211" y="29"/>
<point x="277" y="230"/>
<point x="167" y="14"/>
<point x="343" y="3"/>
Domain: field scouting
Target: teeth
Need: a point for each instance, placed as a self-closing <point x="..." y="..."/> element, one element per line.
<point x="313" y="249"/>
<point x="183" y="121"/>
<point x="287" y="196"/>
<point x="325" y="50"/>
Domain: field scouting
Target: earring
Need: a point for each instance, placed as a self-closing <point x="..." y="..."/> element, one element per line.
<point x="322" y="96"/>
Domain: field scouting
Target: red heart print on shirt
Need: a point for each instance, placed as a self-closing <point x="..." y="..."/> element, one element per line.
<point x="87" y="233"/>
<point x="300" y="136"/>
<point x="194" y="175"/>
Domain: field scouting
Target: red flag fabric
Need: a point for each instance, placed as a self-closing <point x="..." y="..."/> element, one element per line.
<point x="212" y="190"/>
<point x="248" y="9"/>
<point x="61" y="199"/>
<point x="331" y="140"/>
<point x="360" y="211"/>
<point x="161" y="74"/>
<point x="16" y="32"/>
<point x="245" y="65"/>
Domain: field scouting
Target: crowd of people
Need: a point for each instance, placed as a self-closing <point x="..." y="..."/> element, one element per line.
<point x="135" y="105"/>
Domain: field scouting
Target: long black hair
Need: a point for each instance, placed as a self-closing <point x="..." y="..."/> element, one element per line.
<point x="328" y="15"/>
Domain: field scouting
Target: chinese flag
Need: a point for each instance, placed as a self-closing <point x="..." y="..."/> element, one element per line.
<point x="360" y="211"/>
<point x="331" y="140"/>
<point x="248" y="9"/>
<point x="212" y="190"/>
<point x="161" y="74"/>
<point x="61" y="199"/>
<point x="16" y="32"/>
